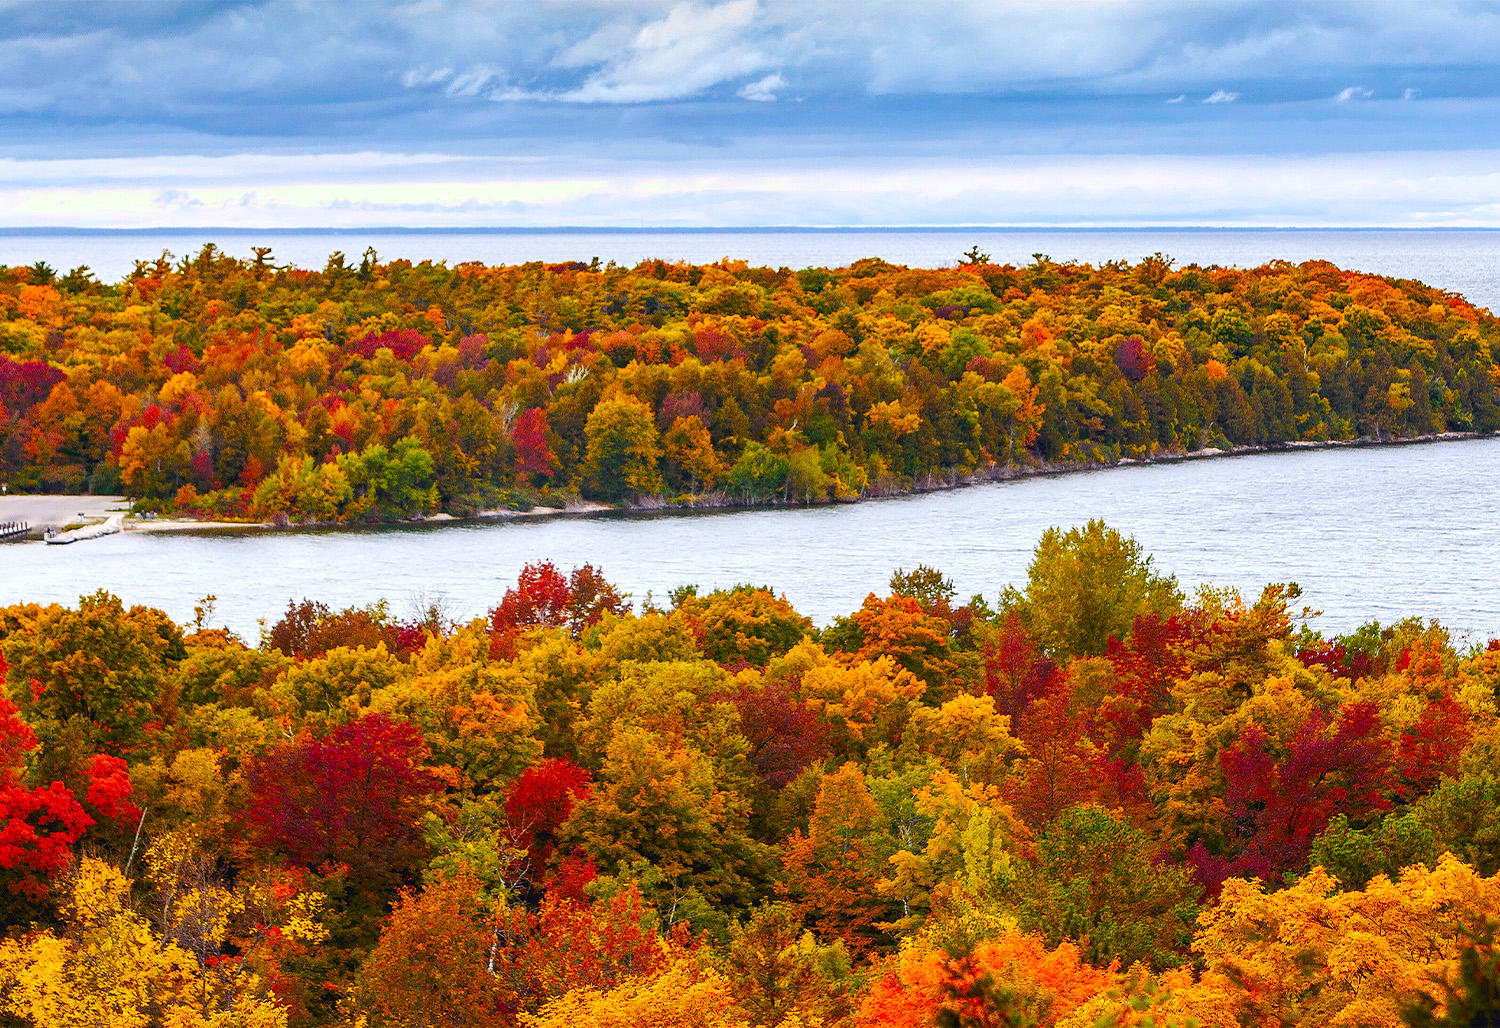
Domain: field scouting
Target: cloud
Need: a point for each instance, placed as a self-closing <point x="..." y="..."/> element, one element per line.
<point x="765" y="89"/>
<point x="1414" y="189"/>
<point x="669" y="84"/>
<point x="472" y="81"/>
<point x="1353" y="93"/>
<point x="269" y="66"/>
<point x="416" y="77"/>
<point x="691" y="49"/>
<point x="176" y="198"/>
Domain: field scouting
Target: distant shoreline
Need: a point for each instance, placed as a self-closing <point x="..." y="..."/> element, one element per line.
<point x="12" y="507"/>
<point x="1010" y="473"/>
<point x="28" y="231"/>
<point x="1043" y="470"/>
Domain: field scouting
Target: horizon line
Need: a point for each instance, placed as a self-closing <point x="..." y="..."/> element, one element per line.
<point x="67" y="230"/>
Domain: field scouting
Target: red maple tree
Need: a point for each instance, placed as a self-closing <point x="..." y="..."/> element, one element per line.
<point x="352" y="797"/>
<point x="1278" y="808"/>
<point x="539" y="802"/>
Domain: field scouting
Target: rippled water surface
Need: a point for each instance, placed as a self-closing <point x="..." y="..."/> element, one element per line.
<point x="1368" y="533"/>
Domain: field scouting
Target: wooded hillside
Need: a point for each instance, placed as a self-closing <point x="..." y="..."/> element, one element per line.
<point x="379" y="390"/>
<point x="1103" y="802"/>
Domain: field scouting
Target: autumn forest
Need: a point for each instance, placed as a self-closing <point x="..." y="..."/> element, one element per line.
<point x="1100" y="801"/>
<point x="1094" y="799"/>
<point x="245" y="390"/>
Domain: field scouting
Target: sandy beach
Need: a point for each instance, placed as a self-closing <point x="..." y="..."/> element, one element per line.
<point x="42" y="512"/>
<point x="52" y="511"/>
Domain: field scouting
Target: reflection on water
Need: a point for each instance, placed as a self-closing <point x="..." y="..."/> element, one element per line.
<point x="1368" y="533"/>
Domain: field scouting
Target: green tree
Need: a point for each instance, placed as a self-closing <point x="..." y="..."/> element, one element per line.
<point x="395" y="482"/>
<point x="758" y="474"/>
<point x="665" y="805"/>
<point x="777" y="970"/>
<point x="1096" y="881"/>
<point x="1354" y="856"/>
<point x="1465" y="815"/>
<point x="1087" y="585"/>
<point x="928" y="586"/>
<point x="623" y="451"/>
<point x="98" y="671"/>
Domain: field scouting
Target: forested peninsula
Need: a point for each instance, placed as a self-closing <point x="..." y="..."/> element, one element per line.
<point x="241" y="389"/>
<point x="1101" y="803"/>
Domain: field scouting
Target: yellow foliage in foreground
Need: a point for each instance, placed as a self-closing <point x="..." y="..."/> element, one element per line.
<point x="686" y="994"/>
<point x="1312" y="955"/>
<point x="111" y="970"/>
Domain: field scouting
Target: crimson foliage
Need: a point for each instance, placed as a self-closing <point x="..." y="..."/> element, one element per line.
<point x="23" y="383"/>
<point x="543" y="598"/>
<point x="786" y="735"/>
<point x="1430" y="749"/>
<point x="533" y="454"/>
<point x="1336" y="659"/>
<point x="1133" y="359"/>
<point x="1278" y="808"/>
<point x="352" y="797"/>
<point x="38" y="827"/>
<point x="1015" y="671"/>
<point x="539" y="802"/>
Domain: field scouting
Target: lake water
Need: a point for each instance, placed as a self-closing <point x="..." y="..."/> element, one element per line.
<point x="1465" y="261"/>
<point x="1368" y="532"/>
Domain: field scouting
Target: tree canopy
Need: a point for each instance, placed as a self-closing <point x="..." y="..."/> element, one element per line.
<point x="234" y="388"/>
<point x="1105" y="802"/>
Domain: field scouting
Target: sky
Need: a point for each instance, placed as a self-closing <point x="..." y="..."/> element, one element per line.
<point x="524" y="113"/>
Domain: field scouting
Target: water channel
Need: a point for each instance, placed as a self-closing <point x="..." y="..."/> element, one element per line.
<point x="1368" y="532"/>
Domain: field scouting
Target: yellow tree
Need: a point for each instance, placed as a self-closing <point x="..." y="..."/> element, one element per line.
<point x="966" y="734"/>
<point x="670" y="805"/>
<point x="963" y="874"/>
<point x="1315" y="955"/>
<point x="869" y="702"/>
<point x="690" y="457"/>
<point x="257" y="919"/>
<point x="477" y="715"/>
<point x="152" y="461"/>
<point x="330" y="690"/>
<point x="687" y="993"/>
<point x="623" y="450"/>
<point x="110" y="970"/>
<point x="1087" y="585"/>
